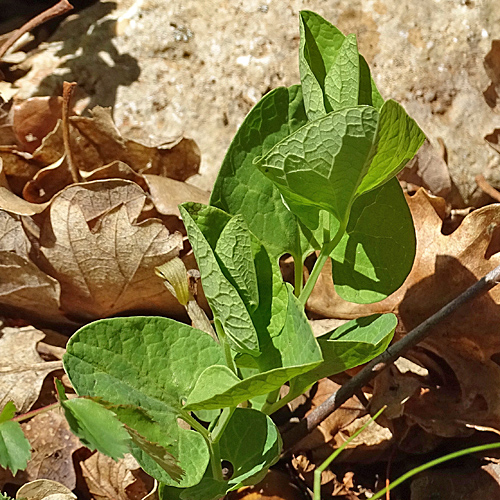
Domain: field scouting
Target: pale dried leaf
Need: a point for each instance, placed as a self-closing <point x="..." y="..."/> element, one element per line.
<point x="167" y="194"/>
<point x="45" y="489"/>
<point x="12" y="235"/>
<point x="429" y="170"/>
<point x="22" y="370"/>
<point x="103" y="259"/>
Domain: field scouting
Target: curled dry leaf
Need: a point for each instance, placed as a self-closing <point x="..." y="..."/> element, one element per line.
<point x="33" y="119"/>
<point x="121" y="480"/>
<point x="22" y="370"/>
<point x="45" y="489"/>
<point x="428" y="169"/>
<point x="463" y="352"/>
<point x="103" y="259"/>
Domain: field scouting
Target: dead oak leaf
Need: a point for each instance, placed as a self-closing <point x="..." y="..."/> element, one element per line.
<point x="106" y="478"/>
<point x="25" y="289"/>
<point x="22" y="370"/>
<point x="103" y="259"/>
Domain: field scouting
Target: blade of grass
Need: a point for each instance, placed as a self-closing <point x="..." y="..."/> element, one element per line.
<point x="336" y="453"/>
<point x="432" y="463"/>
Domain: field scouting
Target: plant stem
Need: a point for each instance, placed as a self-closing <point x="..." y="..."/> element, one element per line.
<point x="298" y="281"/>
<point x="213" y="448"/>
<point x="224" y="419"/>
<point x="271" y="402"/>
<point x="33" y="413"/>
<point x="393" y="352"/>
<point x="225" y="346"/>
<point x="67" y="92"/>
<point x="325" y="252"/>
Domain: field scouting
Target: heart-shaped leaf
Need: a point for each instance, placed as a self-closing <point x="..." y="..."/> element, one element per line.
<point x="377" y="251"/>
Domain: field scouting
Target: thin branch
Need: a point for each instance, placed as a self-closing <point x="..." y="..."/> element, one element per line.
<point x="486" y="187"/>
<point x="56" y="10"/>
<point x="67" y="92"/>
<point x="374" y="367"/>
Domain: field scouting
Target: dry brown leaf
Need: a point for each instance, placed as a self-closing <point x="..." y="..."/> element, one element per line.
<point x="12" y="203"/>
<point x="107" y="479"/>
<point x="22" y="370"/>
<point x="116" y="170"/>
<point x="102" y="258"/>
<point x="33" y="119"/>
<point x="167" y="194"/>
<point x="18" y="167"/>
<point x="464" y="350"/>
<point x="275" y="486"/>
<point x="47" y="182"/>
<point x="44" y="489"/>
<point x="429" y="170"/>
<point x="12" y="235"/>
<point x="179" y="159"/>
<point x="24" y="288"/>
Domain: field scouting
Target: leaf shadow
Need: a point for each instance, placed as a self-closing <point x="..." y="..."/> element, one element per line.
<point x="94" y="62"/>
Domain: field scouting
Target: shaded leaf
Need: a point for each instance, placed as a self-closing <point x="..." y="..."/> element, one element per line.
<point x="293" y="352"/>
<point x="377" y="251"/>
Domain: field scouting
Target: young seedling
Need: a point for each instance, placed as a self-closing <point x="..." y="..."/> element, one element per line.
<point x="312" y="168"/>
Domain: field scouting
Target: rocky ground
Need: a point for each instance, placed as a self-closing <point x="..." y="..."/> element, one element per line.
<point x="197" y="67"/>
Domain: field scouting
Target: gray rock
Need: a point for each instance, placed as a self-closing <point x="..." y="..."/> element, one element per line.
<point x="197" y="67"/>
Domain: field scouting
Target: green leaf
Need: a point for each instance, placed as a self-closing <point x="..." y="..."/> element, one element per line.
<point x="377" y="252"/>
<point x="96" y="427"/>
<point x="342" y="81"/>
<point x="356" y="342"/>
<point x="151" y="363"/>
<point x="398" y="139"/>
<point x="293" y="352"/>
<point x="15" y="449"/>
<point x="352" y="344"/>
<point x="227" y="305"/>
<point x="234" y="250"/>
<point x="322" y="163"/>
<point x="251" y="442"/>
<point x="320" y="45"/>
<point x="241" y="188"/>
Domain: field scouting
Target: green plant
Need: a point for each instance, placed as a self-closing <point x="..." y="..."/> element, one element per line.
<point x="312" y="168"/>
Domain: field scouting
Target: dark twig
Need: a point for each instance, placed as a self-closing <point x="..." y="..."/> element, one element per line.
<point x="374" y="367"/>
<point x="56" y="10"/>
<point x="67" y="91"/>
